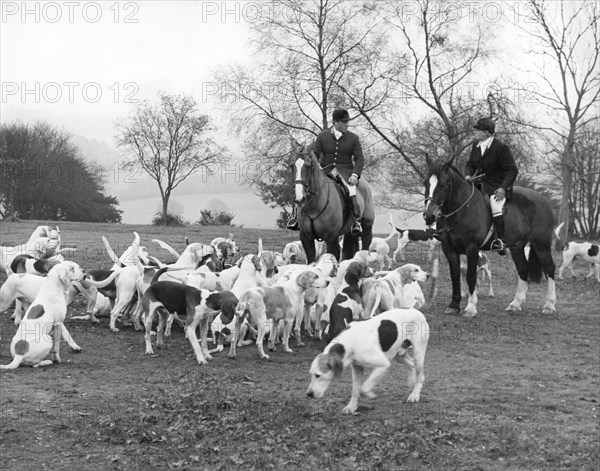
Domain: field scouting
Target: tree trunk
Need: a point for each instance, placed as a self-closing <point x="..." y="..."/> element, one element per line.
<point x="568" y="167"/>
<point x="165" y="205"/>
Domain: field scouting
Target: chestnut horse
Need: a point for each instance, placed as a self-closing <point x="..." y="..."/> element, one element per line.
<point x="322" y="209"/>
<point x="465" y="225"/>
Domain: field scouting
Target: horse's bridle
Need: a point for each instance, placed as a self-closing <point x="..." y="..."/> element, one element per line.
<point x="306" y="184"/>
<point x="457" y="209"/>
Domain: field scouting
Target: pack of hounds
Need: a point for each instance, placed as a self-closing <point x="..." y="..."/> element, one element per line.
<point x="367" y="314"/>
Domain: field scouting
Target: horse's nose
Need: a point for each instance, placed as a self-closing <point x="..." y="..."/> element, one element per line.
<point x="310" y="394"/>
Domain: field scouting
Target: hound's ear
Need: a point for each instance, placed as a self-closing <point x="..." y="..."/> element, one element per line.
<point x="335" y="359"/>
<point x="306" y="279"/>
<point x="405" y="275"/>
<point x="63" y="274"/>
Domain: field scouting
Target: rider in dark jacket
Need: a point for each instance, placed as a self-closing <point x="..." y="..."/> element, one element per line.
<point x="494" y="160"/>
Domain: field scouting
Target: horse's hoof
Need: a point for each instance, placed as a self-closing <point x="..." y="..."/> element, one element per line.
<point x="469" y="314"/>
<point x="452" y="311"/>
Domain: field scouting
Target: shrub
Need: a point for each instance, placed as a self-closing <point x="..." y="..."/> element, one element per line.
<point x="210" y="217"/>
<point x="172" y="220"/>
<point x="282" y="220"/>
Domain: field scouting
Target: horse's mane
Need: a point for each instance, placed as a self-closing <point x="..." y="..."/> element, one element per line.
<point x="437" y="168"/>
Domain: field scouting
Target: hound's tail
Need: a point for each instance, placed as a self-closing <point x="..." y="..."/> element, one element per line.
<point x="103" y="283"/>
<point x="111" y="252"/>
<point x="260" y="246"/>
<point x="377" y="301"/>
<point x="17" y="360"/>
<point x="392" y="230"/>
<point x="168" y="248"/>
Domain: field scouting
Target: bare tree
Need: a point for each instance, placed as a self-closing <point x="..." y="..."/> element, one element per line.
<point x="170" y="141"/>
<point x="302" y="53"/>
<point x="567" y="39"/>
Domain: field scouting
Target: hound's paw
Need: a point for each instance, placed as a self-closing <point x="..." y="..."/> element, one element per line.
<point x="513" y="307"/>
<point x="76" y="349"/>
<point x="452" y="311"/>
<point x="549" y="310"/>
<point x="413" y="398"/>
<point x="96" y="321"/>
<point x="349" y="410"/>
<point x="231" y="356"/>
<point x="149" y="351"/>
<point x="370" y="394"/>
<point x="202" y="362"/>
<point x="114" y="329"/>
<point x="300" y="344"/>
<point x="266" y="357"/>
<point x="288" y="349"/>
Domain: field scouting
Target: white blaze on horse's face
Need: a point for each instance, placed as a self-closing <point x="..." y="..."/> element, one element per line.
<point x="299" y="186"/>
<point x="433" y="181"/>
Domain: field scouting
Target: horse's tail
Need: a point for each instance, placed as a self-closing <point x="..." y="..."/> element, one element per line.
<point x="557" y="233"/>
<point x="534" y="266"/>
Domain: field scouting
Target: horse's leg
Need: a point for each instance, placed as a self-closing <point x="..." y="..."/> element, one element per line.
<point x="518" y="255"/>
<point x="308" y="244"/>
<point x="472" y="256"/>
<point x="333" y="247"/>
<point x="545" y="256"/>
<point x="454" y="264"/>
<point x="350" y="246"/>
<point x="367" y="235"/>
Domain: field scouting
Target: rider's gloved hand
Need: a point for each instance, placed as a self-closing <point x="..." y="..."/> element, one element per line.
<point x="353" y="180"/>
<point x="469" y="178"/>
<point x="499" y="194"/>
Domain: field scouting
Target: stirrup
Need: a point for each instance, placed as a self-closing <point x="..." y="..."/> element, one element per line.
<point x="356" y="229"/>
<point x="499" y="246"/>
<point x="293" y="224"/>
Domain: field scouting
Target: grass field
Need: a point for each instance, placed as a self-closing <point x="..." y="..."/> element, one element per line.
<point x="502" y="391"/>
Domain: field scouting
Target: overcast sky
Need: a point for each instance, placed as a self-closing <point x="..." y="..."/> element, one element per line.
<point x="82" y="64"/>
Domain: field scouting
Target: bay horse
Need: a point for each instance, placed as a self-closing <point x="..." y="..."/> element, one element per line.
<point x="322" y="209"/>
<point x="465" y="226"/>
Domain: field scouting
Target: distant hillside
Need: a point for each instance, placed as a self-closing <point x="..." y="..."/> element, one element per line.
<point x="134" y="184"/>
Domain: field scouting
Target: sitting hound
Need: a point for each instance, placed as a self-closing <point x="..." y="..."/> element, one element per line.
<point x="42" y="327"/>
<point x="373" y="344"/>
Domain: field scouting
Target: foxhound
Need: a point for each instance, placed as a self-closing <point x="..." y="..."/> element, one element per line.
<point x="347" y="304"/>
<point x="43" y="243"/>
<point x="586" y="251"/>
<point x="373" y="344"/>
<point x="269" y="305"/>
<point x="388" y="292"/>
<point x="41" y="329"/>
<point x="484" y="270"/>
<point x="199" y="305"/>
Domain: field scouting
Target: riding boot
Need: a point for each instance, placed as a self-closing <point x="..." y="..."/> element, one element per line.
<point x="356" y="229"/>
<point x="498" y="244"/>
<point x="292" y="223"/>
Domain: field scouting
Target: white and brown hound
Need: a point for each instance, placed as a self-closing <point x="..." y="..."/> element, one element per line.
<point x="268" y="305"/>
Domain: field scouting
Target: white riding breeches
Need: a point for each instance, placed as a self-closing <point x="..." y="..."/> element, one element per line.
<point x="351" y="188"/>
<point x="496" y="206"/>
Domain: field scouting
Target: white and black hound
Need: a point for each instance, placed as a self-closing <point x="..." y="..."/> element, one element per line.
<point x="347" y="304"/>
<point x="586" y="251"/>
<point x="199" y="305"/>
<point x="373" y="344"/>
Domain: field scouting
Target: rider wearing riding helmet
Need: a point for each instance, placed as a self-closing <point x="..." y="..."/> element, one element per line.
<point x="492" y="159"/>
<point x="340" y="155"/>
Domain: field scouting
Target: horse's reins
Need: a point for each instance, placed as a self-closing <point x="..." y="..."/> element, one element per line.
<point x="309" y="192"/>
<point x="462" y="205"/>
